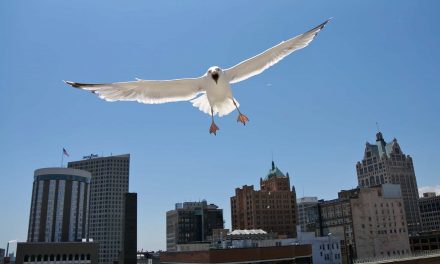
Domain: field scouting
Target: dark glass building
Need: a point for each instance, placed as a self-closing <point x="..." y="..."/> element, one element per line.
<point x="129" y="253"/>
<point x="192" y="222"/>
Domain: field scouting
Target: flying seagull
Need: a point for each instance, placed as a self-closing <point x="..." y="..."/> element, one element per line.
<point x="211" y="93"/>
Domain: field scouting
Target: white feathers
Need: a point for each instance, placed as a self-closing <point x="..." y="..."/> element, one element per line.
<point x="264" y="60"/>
<point x="222" y="108"/>
<point x="145" y="91"/>
<point x="214" y="85"/>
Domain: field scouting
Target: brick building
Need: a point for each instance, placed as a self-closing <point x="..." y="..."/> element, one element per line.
<point x="272" y="208"/>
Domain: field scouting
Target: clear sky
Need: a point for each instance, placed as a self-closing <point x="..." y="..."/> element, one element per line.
<point x="377" y="61"/>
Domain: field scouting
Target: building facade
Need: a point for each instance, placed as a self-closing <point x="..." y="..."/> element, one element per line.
<point x="430" y="212"/>
<point x="379" y="223"/>
<point x="59" y="206"/>
<point x="370" y="222"/>
<point x="129" y="253"/>
<point x="192" y="222"/>
<point x="336" y="220"/>
<point x="386" y="163"/>
<point x="308" y="213"/>
<point x="272" y="208"/>
<point x="274" y="254"/>
<point x="64" y="252"/>
<point x="110" y="178"/>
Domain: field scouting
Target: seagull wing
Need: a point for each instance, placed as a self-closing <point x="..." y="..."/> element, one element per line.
<point x="146" y="91"/>
<point x="264" y="60"/>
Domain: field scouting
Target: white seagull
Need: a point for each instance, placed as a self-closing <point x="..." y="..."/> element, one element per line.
<point x="211" y="93"/>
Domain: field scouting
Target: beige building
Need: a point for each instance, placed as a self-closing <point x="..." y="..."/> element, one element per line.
<point x="386" y="163"/>
<point x="379" y="223"/>
<point x="371" y="222"/>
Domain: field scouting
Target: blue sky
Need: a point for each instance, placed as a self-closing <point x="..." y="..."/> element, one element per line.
<point x="377" y="61"/>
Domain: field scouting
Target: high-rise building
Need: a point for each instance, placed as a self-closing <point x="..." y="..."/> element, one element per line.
<point x="370" y="221"/>
<point x="59" y="206"/>
<point x="272" y="208"/>
<point x="308" y="213"/>
<point x="430" y="212"/>
<point x="192" y="222"/>
<point x="129" y="253"/>
<point x="386" y="163"/>
<point x="108" y="187"/>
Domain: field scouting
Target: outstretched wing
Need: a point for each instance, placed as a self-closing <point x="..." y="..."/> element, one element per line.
<point x="264" y="60"/>
<point x="145" y="91"/>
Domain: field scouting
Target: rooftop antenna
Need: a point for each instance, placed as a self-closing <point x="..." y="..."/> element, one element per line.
<point x="377" y="126"/>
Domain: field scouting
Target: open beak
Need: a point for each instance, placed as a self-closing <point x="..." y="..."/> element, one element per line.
<point x="215" y="76"/>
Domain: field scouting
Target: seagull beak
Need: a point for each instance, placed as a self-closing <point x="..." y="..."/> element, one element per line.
<point x="215" y="77"/>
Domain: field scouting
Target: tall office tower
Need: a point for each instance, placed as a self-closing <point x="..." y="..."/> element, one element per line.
<point x="308" y="213"/>
<point x="60" y="204"/>
<point x="430" y="212"/>
<point x="386" y="163"/>
<point x="192" y="222"/>
<point x="129" y="253"/>
<point x="272" y="209"/>
<point x="108" y="187"/>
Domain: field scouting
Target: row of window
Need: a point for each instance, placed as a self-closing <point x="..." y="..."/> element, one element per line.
<point x="59" y="257"/>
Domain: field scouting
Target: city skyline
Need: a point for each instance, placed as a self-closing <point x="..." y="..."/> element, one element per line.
<point x="374" y="62"/>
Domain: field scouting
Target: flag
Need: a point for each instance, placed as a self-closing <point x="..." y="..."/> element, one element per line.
<point x="65" y="152"/>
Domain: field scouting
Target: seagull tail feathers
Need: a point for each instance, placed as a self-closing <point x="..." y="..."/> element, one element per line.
<point x="222" y="109"/>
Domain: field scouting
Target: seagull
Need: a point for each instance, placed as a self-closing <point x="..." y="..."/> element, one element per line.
<point x="210" y="93"/>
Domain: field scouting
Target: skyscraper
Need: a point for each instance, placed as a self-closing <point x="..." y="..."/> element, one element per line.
<point x="272" y="209"/>
<point x="108" y="187"/>
<point x="192" y="222"/>
<point x="59" y="206"/>
<point x="386" y="163"/>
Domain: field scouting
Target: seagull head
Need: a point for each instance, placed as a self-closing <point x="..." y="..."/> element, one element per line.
<point x="214" y="72"/>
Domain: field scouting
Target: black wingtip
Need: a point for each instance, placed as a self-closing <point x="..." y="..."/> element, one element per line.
<point x="324" y="23"/>
<point x="319" y="27"/>
<point x="73" y="84"/>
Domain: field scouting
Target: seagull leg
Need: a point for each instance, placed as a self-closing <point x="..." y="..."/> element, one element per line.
<point x="241" y="118"/>
<point x="213" y="129"/>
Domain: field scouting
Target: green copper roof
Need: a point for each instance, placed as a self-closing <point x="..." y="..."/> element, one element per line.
<point x="275" y="172"/>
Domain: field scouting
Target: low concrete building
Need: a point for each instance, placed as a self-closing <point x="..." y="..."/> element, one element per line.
<point x="429" y="206"/>
<point x="425" y="241"/>
<point x="65" y="252"/>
